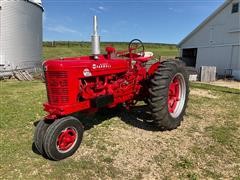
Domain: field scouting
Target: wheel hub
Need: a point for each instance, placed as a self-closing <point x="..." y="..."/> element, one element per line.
<point x="173" y="95"/>
<point x="176" y="95"/>
<point x="66" y="140"/>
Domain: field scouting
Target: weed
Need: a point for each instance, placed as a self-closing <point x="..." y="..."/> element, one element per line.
<point x="184" y="163"/>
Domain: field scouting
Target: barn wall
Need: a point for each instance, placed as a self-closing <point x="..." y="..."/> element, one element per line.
<point x="224" y="28"/>
<point x="214" y="56"/>
<point x="235" y="63"/>
<point x="226" y="57"/>
<point x="218" y="42"/>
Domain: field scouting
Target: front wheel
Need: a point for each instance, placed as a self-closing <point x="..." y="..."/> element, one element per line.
<point x="169" y="90"/>
<point x="39" y="134"/>
<point x="63" y="138"/>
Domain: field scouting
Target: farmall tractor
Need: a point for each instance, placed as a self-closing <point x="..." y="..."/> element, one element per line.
<point x="90" y="83"/>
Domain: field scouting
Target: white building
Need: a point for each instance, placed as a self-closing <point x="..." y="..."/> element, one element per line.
<point x="20" y="34"/>
<point x="216" y="41"/>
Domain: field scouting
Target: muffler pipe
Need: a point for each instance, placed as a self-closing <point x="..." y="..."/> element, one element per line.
<point x="95" y="39"/>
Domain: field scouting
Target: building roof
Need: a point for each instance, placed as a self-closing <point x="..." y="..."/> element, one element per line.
<point x="37" y="2"/>
<point x="214" y="14"/>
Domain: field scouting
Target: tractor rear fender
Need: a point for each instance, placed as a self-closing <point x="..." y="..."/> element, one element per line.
<point x="153" y="68"/>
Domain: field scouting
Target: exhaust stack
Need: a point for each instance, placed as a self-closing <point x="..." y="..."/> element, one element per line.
<point x="95" y="39"/>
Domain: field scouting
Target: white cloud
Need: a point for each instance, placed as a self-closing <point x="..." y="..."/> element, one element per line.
<point x="99" y="9"/>
<point x="94" y="10"/>
<point x="104" y="31"/>
<point x="61" y="29"/>
<point x="176" y="10"/>
<point x="68" y="19"/>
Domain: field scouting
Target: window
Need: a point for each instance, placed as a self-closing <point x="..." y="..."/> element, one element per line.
<point x="235" y="8"/>
<point x="211" y="34"/>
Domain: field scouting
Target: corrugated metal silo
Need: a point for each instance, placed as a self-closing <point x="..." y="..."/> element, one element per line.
<point x="20" y="34"/>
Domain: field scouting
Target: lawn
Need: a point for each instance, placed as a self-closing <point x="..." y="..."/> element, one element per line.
<point x="79" y="49"/>
<point x="117" y="146"/>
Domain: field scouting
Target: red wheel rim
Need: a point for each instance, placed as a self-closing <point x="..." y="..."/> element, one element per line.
<point x="67" y="139"/>
<point x="177" y="95"/>
<point x="173" y="94"/>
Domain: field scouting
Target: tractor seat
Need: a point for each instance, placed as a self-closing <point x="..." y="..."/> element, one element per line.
<point x="147" y="56"/>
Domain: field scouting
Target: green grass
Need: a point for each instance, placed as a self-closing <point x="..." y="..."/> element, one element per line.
<point x="184" y="163"/>
<point x="21" y="106"/>
<point x="205" y="146"/>
<point x="223" y="134"/>
<point x="79" y="49"/>
<point x="214" y="88"/>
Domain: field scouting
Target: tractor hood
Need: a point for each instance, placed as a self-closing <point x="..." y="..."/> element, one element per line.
<point x="86" y="66"/>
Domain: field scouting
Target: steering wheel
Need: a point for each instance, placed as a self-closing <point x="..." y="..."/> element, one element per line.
<point x="136" y="48"/>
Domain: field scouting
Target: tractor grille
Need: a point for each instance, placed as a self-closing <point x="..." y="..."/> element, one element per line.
<point x="57" y="87"/>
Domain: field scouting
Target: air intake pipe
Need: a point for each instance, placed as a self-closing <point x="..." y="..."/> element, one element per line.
<point x="95" y="39"/>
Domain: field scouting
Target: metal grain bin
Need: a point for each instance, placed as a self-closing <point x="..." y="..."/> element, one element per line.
<point x="20" y="34"/>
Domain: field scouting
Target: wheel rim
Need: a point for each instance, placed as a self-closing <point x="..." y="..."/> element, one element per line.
<point x="67" y="140"/>
<point x="176" y="95"/>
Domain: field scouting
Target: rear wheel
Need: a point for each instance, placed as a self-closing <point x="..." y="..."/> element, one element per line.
<point x="63" y="138"/>
<point x="169" y="90"/>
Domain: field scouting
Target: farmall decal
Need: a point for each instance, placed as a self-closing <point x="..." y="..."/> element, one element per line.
<point x="101" y="66"/>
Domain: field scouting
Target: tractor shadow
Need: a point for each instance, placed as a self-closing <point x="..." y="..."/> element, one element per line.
<point x="135" y="117"/>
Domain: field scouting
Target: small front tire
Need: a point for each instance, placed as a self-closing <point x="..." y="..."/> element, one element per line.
<point x="39" y="134"/>
<point x="63" y="138"/>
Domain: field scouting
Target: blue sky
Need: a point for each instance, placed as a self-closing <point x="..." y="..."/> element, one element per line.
<point x="162" y="21"/>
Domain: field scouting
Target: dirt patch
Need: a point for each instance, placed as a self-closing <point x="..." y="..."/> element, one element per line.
<point x="203" y="93"/>
<point x="144" y="154"/>
<point x="229" y="84"/>
<point x="205" y="146"/>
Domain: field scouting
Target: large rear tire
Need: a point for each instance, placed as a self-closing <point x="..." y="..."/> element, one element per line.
<point x="63" y="138"/>
<point x="169" y="90"/>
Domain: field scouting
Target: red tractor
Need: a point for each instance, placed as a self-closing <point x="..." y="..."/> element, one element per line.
<point x="91" y="83"/>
